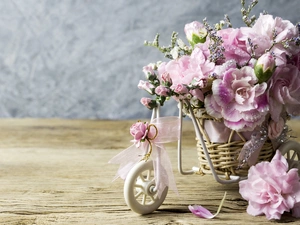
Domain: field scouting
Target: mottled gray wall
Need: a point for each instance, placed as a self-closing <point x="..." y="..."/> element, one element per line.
<point x="84" y="58"/>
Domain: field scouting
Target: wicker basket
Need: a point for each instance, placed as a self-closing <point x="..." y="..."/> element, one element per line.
<point x="224" y="154"/>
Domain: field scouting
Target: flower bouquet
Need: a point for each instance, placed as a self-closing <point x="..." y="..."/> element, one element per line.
<point x="239" y="86"/>
<point x="242" y="84"/>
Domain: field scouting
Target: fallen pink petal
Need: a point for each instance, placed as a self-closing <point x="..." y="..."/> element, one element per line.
<point x="202" y="212"/>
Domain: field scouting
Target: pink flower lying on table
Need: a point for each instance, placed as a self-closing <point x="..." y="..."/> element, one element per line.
<point x="272" y="189"/>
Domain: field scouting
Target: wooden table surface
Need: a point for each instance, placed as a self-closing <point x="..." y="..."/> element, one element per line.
<point x="55" y="171"/>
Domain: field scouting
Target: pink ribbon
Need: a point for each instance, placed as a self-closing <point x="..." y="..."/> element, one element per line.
<point x="168" y="131"/>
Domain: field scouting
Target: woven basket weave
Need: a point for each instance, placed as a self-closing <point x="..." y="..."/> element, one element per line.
<point x="224" y="155"/>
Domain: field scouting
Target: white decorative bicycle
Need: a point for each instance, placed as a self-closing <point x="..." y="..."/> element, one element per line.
<point x="140" y="188"/>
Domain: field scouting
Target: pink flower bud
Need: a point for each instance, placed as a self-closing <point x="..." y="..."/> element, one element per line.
<point x="149" y="103"/>
<point x="165" y="77"/>
<point x="265" y="67"/>
<point x="200" y="82"/>
<point x="195" y="32"/>
<point x="180" y="89"/>
<point x="149" y="69"/>
<point x="198" y="94"/>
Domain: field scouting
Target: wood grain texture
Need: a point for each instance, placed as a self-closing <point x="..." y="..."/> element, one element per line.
<point x="55" y="171"/>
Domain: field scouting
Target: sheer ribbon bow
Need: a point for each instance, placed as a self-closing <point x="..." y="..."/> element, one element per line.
<point x="167" y="130"/>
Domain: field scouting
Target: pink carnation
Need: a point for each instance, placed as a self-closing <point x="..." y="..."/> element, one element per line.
<point x="295" y="60"/>
<point x="238" y="99"/>
<point x="177" y="70"/>
<point x="271" y="189"/>
<point x="200" y="65"/>
<point x="284" y="91"/>
<point x="186" y="68"/>
<point x="262" y="35"/>
<point x="235" y="45"/>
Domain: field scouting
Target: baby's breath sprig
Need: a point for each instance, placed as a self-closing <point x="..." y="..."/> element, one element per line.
<point x="246" y="12"/>
<point x="252" y="47"/>
<point x="227" y="21"/>
<point x="286" y="43"/>
<point x="173" y="51"/>
<point x="215" y="46"/>
<point x="297" y="39"/>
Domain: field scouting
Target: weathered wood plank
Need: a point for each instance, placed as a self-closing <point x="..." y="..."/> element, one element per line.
<point x="56" y="172"/>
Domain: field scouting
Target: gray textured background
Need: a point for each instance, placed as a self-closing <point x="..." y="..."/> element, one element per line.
<point x="84" y="58"/>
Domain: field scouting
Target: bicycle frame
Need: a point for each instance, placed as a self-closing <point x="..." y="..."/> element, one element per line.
<point x="219" y="178"/>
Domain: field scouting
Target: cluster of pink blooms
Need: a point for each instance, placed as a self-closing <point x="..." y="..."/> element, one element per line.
<point x="255" y="75"/>
<point x="247" y="77"/>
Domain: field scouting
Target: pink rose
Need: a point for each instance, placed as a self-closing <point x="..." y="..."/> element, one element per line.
<point x="275" y="128"/>
<point x="145" y="85"/>
<point x="238" y="99"/>
<point x="271" y="189"/>
<point x="162" y="91"/>
<point x="139" y="131"/>
<point x="284" y="92"/>
<point x="148" y="102"/>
